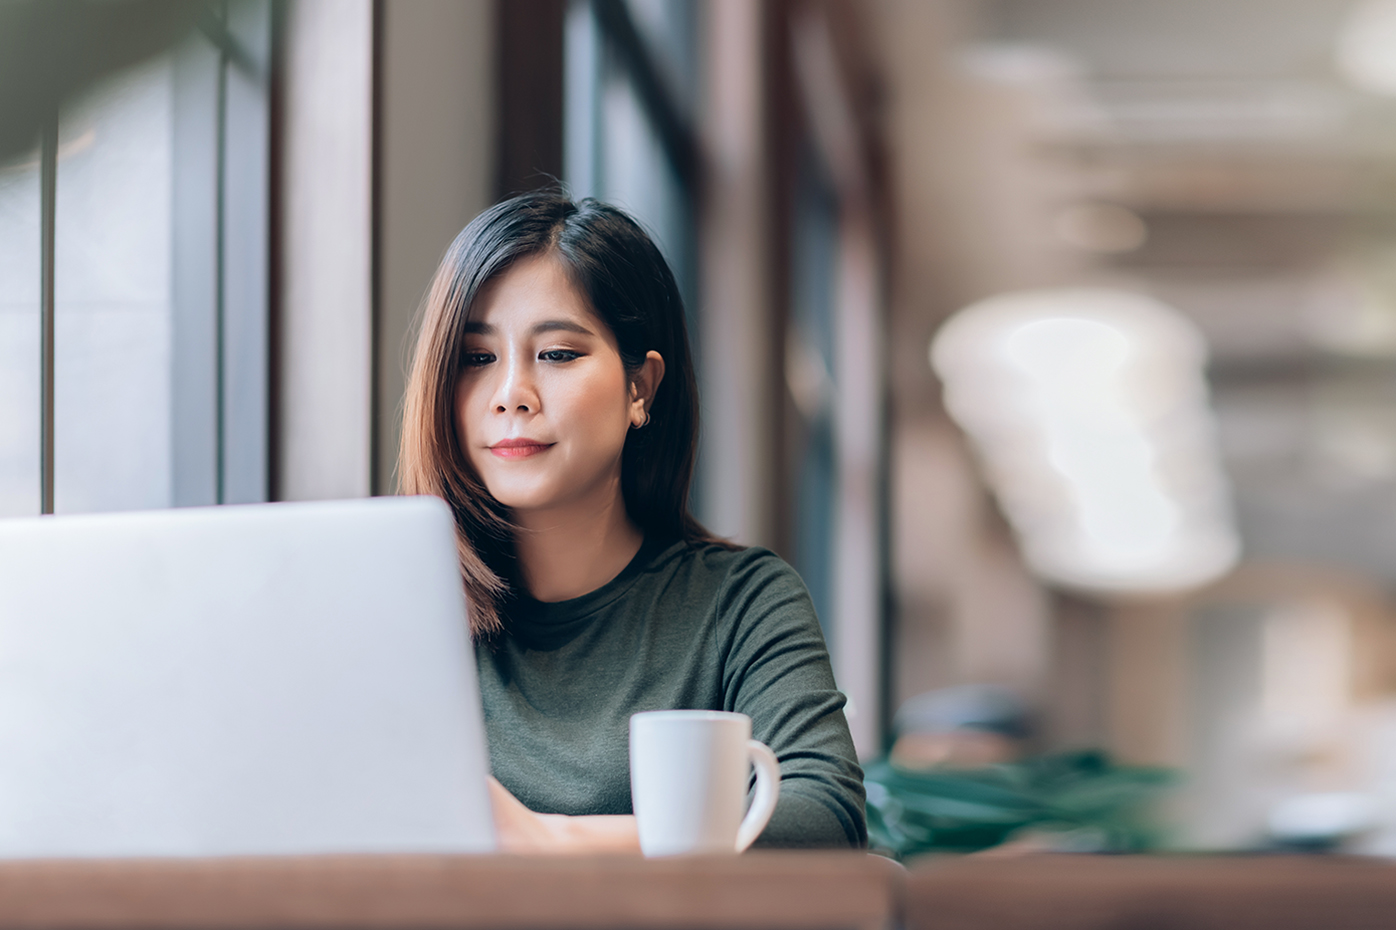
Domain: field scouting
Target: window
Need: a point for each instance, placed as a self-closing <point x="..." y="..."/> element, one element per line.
<point x="20" y="394"/>
<point x="630" y="84"/>
<point x="152" y="242"/>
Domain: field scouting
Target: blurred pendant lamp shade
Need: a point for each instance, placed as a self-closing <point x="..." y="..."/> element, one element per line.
<point x="1088" y="410"/>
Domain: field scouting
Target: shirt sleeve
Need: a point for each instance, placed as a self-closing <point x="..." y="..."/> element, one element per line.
<point x="776" y="671"/>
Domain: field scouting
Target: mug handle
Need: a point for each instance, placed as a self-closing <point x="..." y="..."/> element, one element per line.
<point x="767" y="793"/>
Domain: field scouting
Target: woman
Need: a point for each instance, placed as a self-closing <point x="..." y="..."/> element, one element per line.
<point x="553" y="405"/>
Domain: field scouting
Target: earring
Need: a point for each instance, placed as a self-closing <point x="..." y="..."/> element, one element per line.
<point x="643" y="423"/>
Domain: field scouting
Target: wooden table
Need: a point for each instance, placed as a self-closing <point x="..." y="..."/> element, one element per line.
<point x="757" y="891"/>
<point x="1152" y="893"/>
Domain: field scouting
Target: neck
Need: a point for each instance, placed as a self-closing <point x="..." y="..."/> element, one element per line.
<point x="568" y="551"/>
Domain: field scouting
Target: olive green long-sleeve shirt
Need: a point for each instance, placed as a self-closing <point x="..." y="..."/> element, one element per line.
<point x="684" y="626"/>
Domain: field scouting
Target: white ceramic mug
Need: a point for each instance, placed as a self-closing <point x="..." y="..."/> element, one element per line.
<point x="688" y="779"/>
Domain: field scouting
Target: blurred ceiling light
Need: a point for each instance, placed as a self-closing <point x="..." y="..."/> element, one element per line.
<point x="1089" y="411"/>
<point x="1220" y="110"/>
<point x="1366" y="46"/>
<point x="1101" y="227"/>
<point x="1059" y="98"/>
<point x="1019" y="63"/>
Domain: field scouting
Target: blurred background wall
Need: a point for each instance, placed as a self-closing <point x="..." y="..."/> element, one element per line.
<point x="242" y="225"/>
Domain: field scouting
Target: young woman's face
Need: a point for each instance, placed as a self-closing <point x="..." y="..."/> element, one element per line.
<point x="543" y="403"/>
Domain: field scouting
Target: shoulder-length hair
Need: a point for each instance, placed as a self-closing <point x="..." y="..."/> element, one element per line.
<point x="630" y="287"/>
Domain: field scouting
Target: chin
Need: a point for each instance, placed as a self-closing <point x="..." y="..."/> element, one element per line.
<point x="542" y="490"/>
<point x="524" y="498"/>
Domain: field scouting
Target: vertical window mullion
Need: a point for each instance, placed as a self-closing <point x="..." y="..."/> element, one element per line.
<point x="220" y="324"/>
<point x="48" y="206"/>
<point x="244" y="229"/>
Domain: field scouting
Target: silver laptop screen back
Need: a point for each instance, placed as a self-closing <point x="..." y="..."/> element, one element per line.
<point x="267" y="679"/>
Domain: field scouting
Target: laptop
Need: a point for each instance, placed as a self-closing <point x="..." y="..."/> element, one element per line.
<point x="248" y="680"/>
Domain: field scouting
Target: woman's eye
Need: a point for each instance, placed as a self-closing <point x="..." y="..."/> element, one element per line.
<point x="476" y="359"/>
<point x="559" y="355"/>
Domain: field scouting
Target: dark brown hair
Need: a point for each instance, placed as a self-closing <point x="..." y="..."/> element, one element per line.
<point x="611" y="261"/>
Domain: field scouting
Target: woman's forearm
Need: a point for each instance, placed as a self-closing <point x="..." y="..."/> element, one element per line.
<point x="520" y="830"/>
<point x="598" y="833"/>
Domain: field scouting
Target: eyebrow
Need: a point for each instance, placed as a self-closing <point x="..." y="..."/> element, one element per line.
<point x="547" y="326"/>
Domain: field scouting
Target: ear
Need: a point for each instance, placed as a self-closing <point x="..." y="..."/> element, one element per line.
<point x="642" y="387"/>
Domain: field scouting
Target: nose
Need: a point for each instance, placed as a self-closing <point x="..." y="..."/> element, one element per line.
<point x="515" y="391"/>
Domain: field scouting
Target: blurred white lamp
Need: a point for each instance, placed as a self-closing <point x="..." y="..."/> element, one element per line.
<point x="1088" y="408"/>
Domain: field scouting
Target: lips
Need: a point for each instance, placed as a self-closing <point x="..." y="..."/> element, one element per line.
<point x="519" y="448"/>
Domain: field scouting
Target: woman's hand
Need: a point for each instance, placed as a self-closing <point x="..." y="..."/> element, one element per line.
<point x="520" y="830"/>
